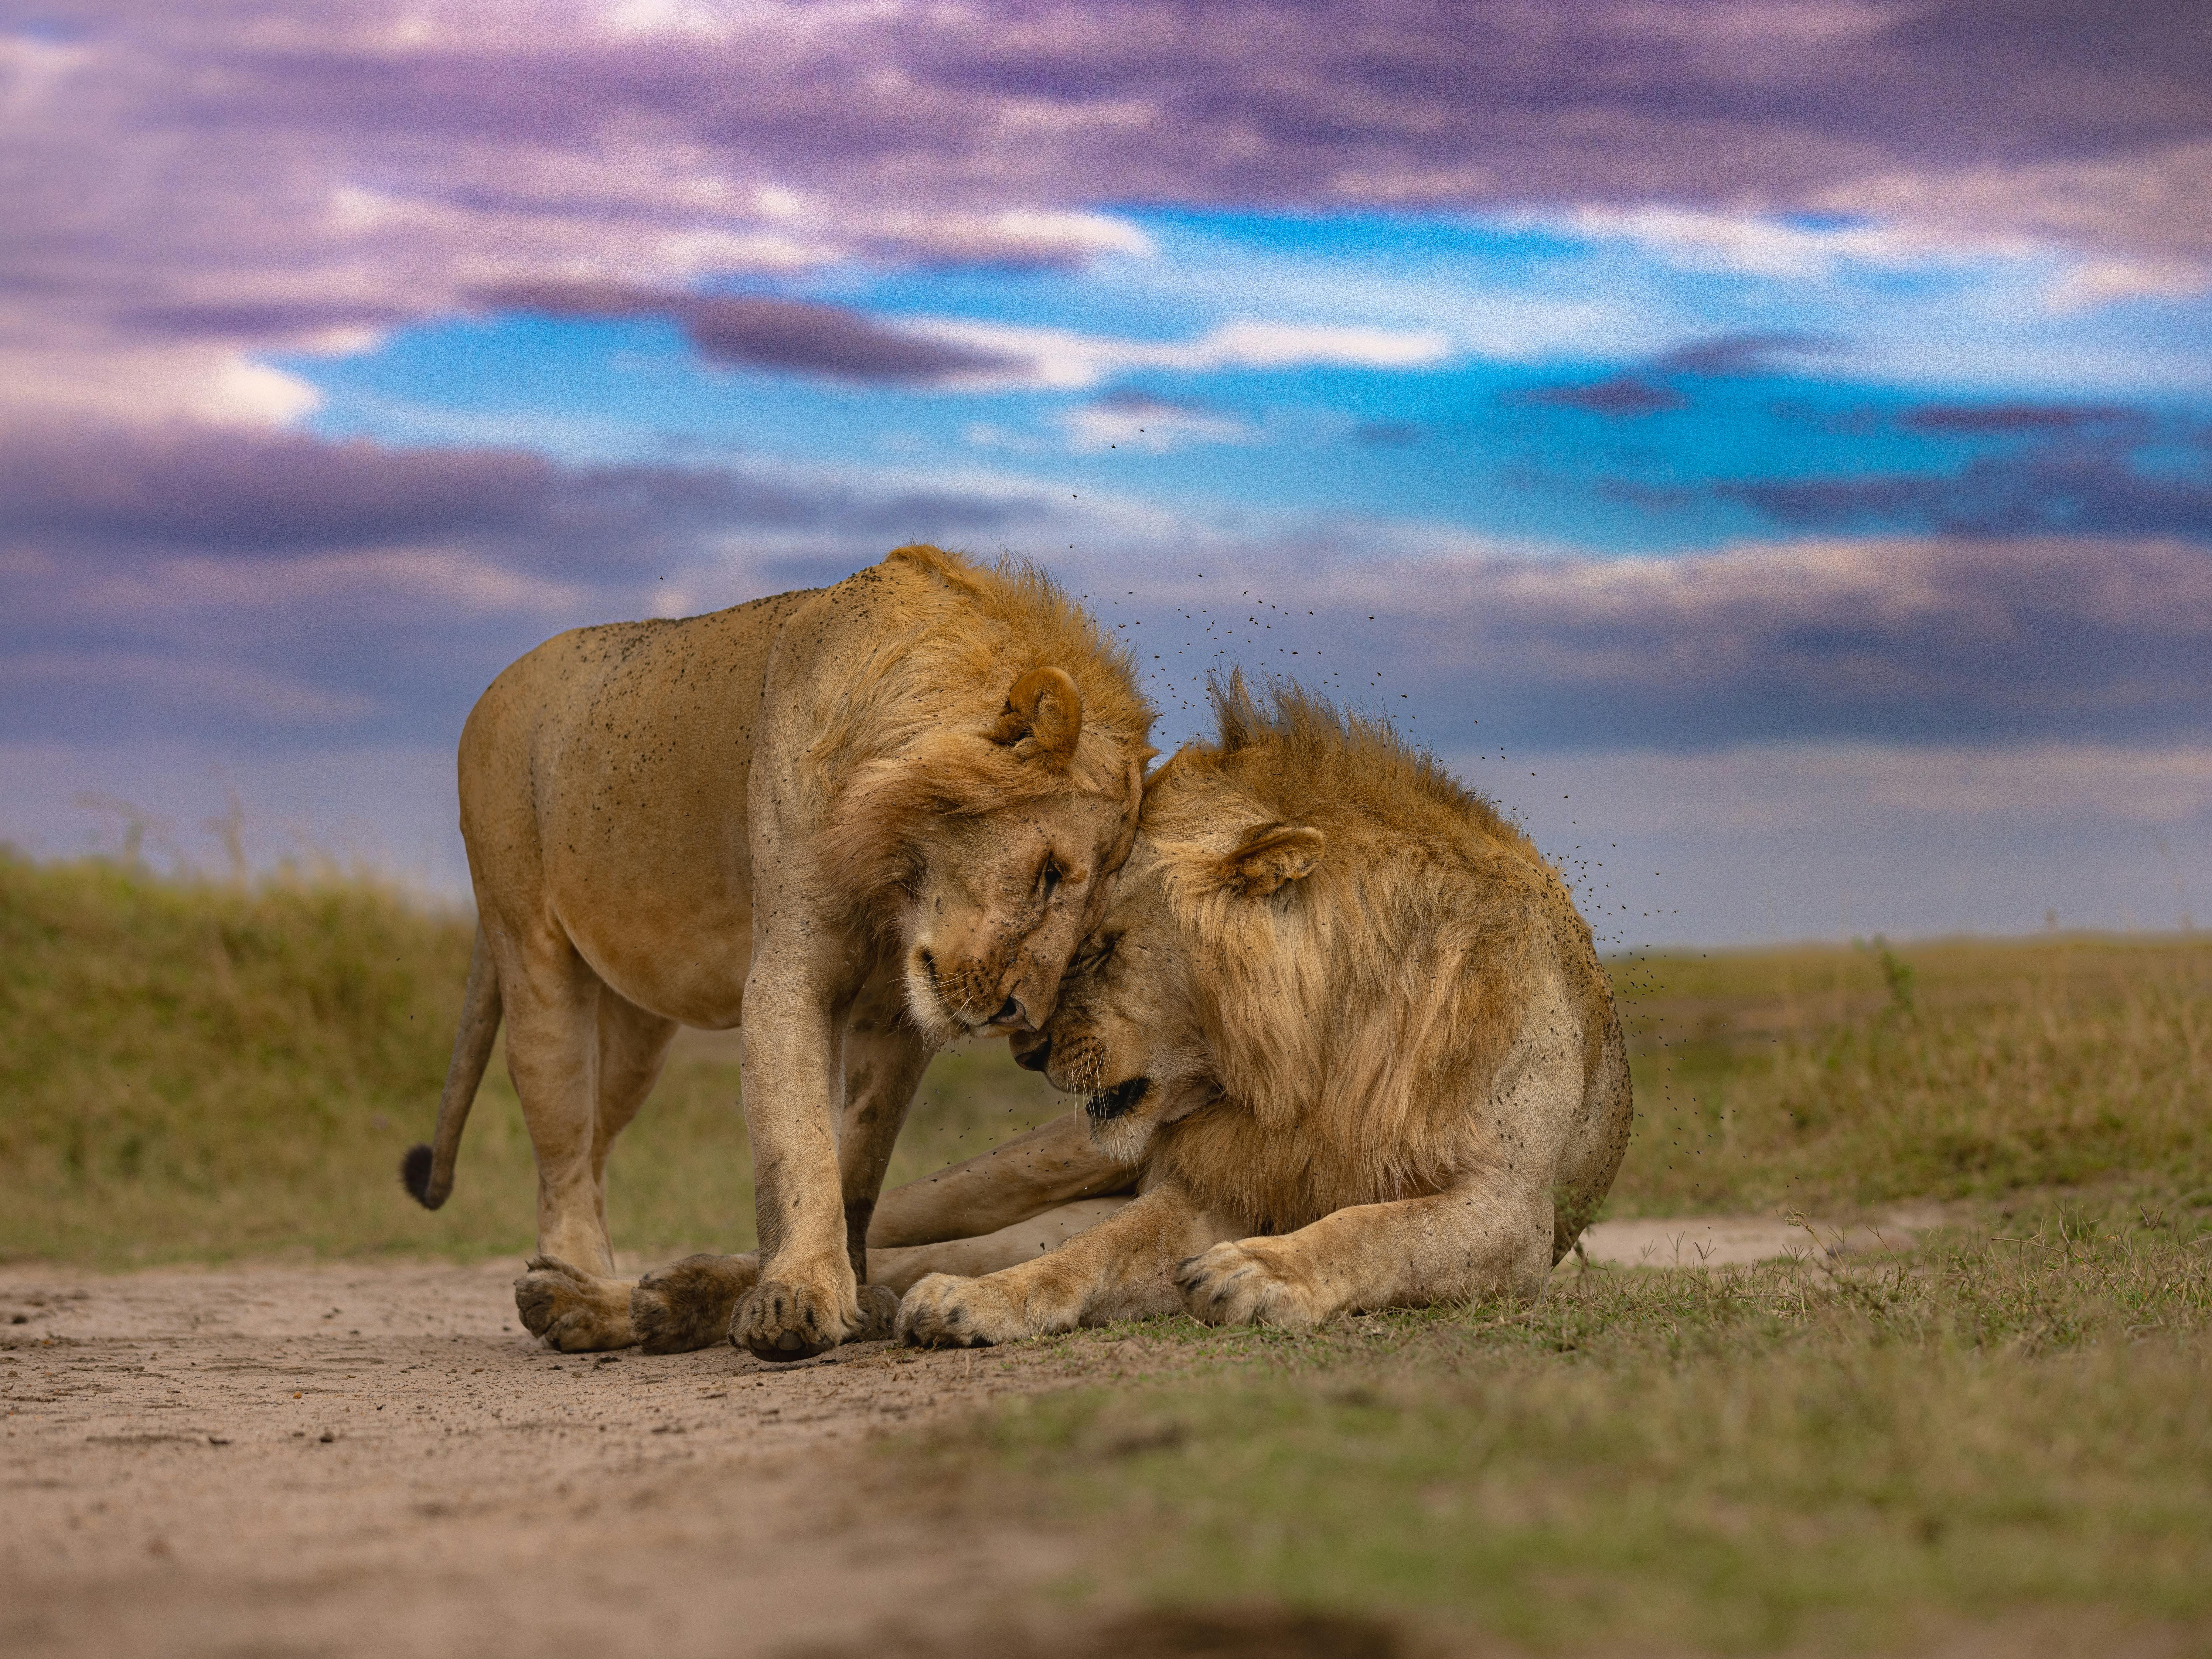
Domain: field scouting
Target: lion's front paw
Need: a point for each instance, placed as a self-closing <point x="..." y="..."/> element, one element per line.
<point x="1248" y="1284"/>
<point x="943" y="1312"/>
<point x="573" y="1311"/>
<point x="687" y="1305"/>
<point x="778" y="1320"/>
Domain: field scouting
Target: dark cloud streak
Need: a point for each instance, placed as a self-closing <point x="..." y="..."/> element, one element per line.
<point x="184" y="580"/>
<point x="2084" y="488"/>
<point x="794" y="334"/>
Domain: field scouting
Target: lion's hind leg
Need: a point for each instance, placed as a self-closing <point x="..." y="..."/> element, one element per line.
<point x="583" y="1059"/>
<point x="902" y="1267"/>
<point x="574" y="1311"/>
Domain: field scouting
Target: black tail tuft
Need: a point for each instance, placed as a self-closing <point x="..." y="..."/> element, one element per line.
<point x="415" y="1175"/>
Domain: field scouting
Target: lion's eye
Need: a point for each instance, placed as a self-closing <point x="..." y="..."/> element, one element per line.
<point x="1097" y="955"/>
<point x="1049" y="877"/>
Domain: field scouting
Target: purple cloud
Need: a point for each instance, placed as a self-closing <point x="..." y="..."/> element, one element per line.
<point x="794" y="334"/>
<point x="201" y="579"/>
<point x="1753" y="353"/>
<point x="243" y="587"/>
<point x="1617" y="395"/>
<point x="2078" y="487"/>
<point x="227" y="174"/>
<point x="1911" y="640"/>
<point x="1631" y="393"/>
<point x="2040" y="420"/>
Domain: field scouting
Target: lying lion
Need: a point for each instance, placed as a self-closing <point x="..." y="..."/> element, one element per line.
<point x="1348" y="1024"/>
<point x="860" y="820"/>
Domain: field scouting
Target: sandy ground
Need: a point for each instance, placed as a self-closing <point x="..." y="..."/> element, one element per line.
<point x="373" y="1459"/>
<point x="377" y="1459"/>
<point x="1735" y="1241"/>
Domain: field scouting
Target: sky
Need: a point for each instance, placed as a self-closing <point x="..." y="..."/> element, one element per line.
<point x="1765" y="445"/>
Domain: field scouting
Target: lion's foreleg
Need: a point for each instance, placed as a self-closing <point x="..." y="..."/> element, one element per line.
<point x="1490" y="1236"/>
<point x="807" y="1299"/>
<point x="902" y="1267"/>
<point x="884" y="1057"/>
<point x="1052" y="1164"/>
<point x="1120" y="1268"/>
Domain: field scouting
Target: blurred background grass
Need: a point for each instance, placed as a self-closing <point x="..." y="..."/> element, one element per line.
<point x="195" y="1069"/>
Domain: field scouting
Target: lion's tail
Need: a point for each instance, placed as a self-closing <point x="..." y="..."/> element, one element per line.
<point x="428" y="1171"/>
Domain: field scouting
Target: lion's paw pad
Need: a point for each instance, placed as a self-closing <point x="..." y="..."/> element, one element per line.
<point x="775" y="1320"/>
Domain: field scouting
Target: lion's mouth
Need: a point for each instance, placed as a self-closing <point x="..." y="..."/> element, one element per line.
<point x="1118" y="1101"/>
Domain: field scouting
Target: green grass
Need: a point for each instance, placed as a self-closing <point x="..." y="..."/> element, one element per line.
<point x="194" y="1070"/>
<point x="1837" y="1081"/>
<point x="1728" y="1461"/>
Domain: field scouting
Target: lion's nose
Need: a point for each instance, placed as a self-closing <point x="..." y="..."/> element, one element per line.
<point x="1011" y="1013"/>
<point x="1033" y="1055"/>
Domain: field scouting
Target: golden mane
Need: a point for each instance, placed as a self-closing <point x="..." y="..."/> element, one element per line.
<point x="1349" y="1012"/>
<point x="961" y="634"/>
<point x="912" y="733"/>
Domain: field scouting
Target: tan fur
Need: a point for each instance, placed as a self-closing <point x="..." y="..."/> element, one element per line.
<point x="858" y="820"/>
<point x="1379" y="1057"/>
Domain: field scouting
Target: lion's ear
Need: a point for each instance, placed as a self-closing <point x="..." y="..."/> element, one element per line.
<point x="1269" y="855"/>
<point x="1044" y="711"/>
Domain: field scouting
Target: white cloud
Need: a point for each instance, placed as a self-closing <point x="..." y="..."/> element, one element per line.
<point x="2089" y="212"/>
<point x="1151" y="425"/>
<point x="218" y="385"/>
<point x="1698" y="239"/>
<point x="1072" y="362"/>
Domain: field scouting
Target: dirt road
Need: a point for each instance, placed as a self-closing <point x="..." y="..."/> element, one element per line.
<point x="377" y="1460"/>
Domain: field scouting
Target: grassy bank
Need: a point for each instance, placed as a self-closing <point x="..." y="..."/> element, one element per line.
<point x="195" y="1070"/>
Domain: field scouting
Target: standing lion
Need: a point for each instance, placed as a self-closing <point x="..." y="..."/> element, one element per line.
<point x="859" y="820"/>
<point x="1345" y="1021"/>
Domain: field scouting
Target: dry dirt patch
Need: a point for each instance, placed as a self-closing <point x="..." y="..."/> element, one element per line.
<point x="373" y="1459"/>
